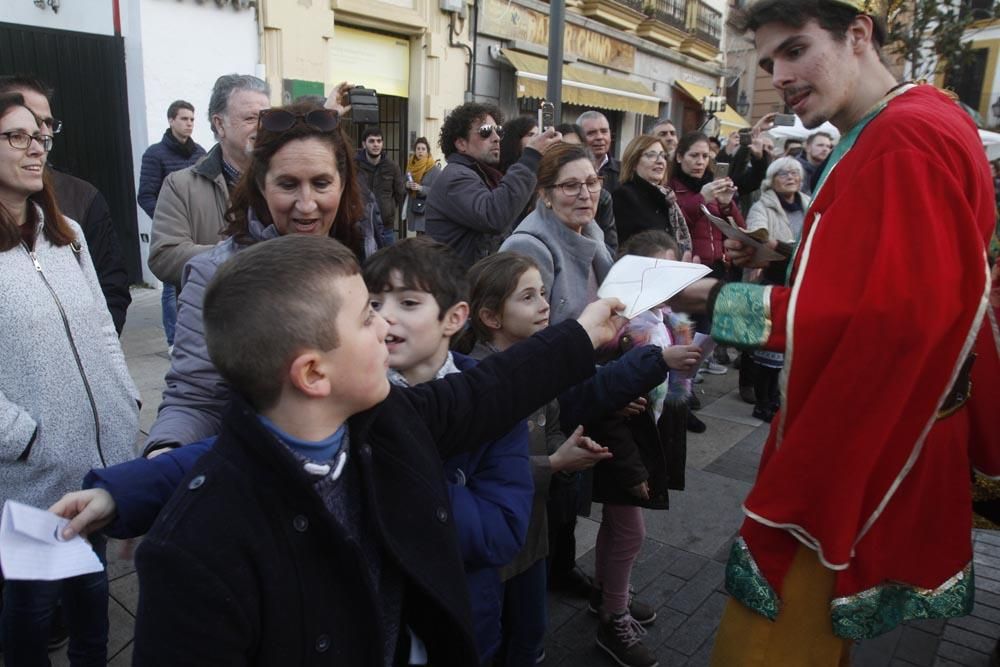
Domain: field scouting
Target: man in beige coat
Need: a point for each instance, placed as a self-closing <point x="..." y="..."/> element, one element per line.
<point x="190" y="210"/>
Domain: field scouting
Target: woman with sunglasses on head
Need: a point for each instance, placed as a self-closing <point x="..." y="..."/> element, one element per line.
<point x="67" y="403"/>
<point x="643" y="201"/>
<point x="301" y="180"/>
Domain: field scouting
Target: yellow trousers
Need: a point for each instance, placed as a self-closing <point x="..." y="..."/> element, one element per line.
<point x="802" y="635"/>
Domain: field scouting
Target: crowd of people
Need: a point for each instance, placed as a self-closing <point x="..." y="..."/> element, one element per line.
<point x="374" y="451"/>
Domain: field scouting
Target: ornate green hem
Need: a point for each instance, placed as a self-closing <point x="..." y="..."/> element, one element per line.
<point x="864" y="615"/>
<point x="745" y="582"/>
<point x="878" y="610"/>
<point x="742" y="315"/>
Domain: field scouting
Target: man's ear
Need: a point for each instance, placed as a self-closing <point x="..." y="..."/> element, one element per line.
<point x="860" y="32"/>
<point x="217" y="124"/>
<point x="490" y="319"/>
<point x="310" y="374"/>
<point x="455" y="318"/>
<point x="462" y="145"/>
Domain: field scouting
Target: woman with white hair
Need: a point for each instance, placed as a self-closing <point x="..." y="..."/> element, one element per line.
<point x="782" y="206"/>
<point x="780" y="210"/>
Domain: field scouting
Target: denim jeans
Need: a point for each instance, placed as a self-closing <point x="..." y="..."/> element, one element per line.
<point x="28" y="608"/>
<point x="168" y="302"/>
<point x="524" y="616"/>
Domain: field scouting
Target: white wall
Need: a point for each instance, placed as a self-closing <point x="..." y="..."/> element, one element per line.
<point x="176" y="49"/>
<point x="93" y="16"/>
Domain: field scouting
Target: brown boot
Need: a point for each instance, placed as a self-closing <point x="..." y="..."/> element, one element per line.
<point x="620" y="636"/>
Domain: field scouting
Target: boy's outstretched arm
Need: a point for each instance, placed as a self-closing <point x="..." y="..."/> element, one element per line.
<point x="464" y="410"/>
<point x="124" y="500"/>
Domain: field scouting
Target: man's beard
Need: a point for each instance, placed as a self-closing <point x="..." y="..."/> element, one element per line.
<point x="374" y="157"/>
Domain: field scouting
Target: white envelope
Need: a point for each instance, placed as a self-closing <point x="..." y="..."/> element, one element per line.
<point x="643" y="282"/>
<point x="764" y="251"/>
<point x="31" y="546"/>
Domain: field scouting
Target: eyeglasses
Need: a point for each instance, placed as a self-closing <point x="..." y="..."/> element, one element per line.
<point x="54" y="123"/>
<point x="573" y="188"/>
<point x="486" y="131"/>
<point x="21" y="140"/>
<point x="655" y="155"/>
<point x="786" y="173"/>
<point x="279" y="120"/>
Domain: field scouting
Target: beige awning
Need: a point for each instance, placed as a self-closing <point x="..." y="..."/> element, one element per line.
<point x="582" y="87"/>
<point x="729" y="120"/>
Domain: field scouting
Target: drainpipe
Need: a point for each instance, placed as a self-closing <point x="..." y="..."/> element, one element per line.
<point x="452" y="32"/>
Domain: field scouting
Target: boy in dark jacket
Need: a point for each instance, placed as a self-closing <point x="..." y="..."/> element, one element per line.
<point x="317" y="529"/>
<point x="419" y="287"/>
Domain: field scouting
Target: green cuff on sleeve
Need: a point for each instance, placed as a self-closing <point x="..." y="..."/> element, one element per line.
<point x="742" y="315"/>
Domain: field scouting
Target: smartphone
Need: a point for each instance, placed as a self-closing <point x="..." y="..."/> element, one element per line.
<point x="721" y="171"/>
<point x="546" y="116"/>
<point x="745" y="138"/>
<point x="785" y="119"/>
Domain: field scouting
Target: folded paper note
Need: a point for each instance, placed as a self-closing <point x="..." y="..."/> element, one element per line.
<point x="731" y="231"/>
<point x="31" y="546"/>
<point x="643" y="282"/>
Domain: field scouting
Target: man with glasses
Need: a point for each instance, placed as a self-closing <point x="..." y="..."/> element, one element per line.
<point x="191" y="207"/>
<point x="80" y="201"/>
<point x="473" y="206"/>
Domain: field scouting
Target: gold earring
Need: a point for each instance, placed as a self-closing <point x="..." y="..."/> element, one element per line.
<point x="548" y="204"/>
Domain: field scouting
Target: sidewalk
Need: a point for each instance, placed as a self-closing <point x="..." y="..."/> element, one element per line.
<point x="680" y="569"/>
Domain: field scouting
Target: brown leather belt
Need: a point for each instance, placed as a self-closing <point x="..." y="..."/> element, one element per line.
<point x="960" y="391"/>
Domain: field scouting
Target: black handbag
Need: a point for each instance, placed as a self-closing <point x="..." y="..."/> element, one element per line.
<point x="418" y="205"/>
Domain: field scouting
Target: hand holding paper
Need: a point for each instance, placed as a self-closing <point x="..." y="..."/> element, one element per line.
<point x="31" y="546"/>
<point x="643" y="282"/>
<point x="763" y="252"/>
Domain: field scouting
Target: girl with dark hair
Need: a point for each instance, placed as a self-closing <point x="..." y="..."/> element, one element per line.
<point x="508" y="305"/>
<point x="301" y="180"/>
<point x="421" y="171"/>
<point x="67" y="402"/>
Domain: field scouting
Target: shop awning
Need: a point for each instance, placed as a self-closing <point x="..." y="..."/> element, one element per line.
<point x="583" y="87"/>
<point x="729" y="120"/>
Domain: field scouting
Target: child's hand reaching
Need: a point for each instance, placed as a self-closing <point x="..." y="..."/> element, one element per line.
<point x="577" y="453"/>
<point x="683" y="358"/>
<point x="89" y="510"/>
<point x="636" y="407"/>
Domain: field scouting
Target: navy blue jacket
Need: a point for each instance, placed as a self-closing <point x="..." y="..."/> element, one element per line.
<point x="161" y="159"/>
<point x="491" y="492"/>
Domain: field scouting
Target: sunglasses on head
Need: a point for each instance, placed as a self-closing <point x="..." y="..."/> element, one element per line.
<point x="279" y="120"/>
<point x="486" y="131"/>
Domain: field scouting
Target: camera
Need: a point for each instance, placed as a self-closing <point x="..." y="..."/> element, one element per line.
<point x="364" y="105"/>
<point x="745" y="138"/>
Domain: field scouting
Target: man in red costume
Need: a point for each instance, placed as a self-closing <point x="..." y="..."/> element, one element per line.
<point x="860" y="516"/>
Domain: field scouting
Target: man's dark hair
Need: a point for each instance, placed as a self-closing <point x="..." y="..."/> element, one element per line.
<point x="460" y="121"/>
<point x="571" y="128"/>
<point x="834" y="17"/>
<point x="714" y="141"/>
<point x="255" y="325"/>
<point x="13" y="82"/>
<point x="371" y="131"/>
<point x="176" y="106"/>
<point x="423" y="265"/>
<point x="812" y="137"/>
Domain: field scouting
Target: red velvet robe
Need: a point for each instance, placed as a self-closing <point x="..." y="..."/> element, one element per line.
<point x="887" y="295"/>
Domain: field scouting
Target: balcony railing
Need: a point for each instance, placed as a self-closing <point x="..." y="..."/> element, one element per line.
<point x="706" y="24"/>
<point x="632" y="4"/>
<point x="671" y="12"/>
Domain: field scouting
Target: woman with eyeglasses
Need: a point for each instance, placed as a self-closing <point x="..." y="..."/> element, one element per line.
<point x="643" y="201"/>
<point x="561" y="235"/>
<point x="67" y="403"/>
<point x="780" y="210"/>
<point x="301" y="180"/>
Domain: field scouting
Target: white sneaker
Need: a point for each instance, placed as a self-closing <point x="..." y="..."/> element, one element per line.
<point x="712" y="367"/>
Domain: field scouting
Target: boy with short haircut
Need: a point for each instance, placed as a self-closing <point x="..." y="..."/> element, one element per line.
<point x="316" y="529"/>
<point x="419" y="286"/>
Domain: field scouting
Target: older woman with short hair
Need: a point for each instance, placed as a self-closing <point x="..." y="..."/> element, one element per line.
<point x="782" y="206"/>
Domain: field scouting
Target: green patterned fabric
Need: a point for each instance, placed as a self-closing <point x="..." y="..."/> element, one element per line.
<point x="742" y="315"/>
<point x="878" y="610"/>
<point x="862" y="616"/>
<point x="745" y="582"/>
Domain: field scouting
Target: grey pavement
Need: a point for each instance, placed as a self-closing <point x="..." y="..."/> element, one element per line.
<point x="680" y="568"/>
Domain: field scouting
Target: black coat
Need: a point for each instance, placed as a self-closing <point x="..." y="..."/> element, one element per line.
<point x="246" y="566"/>
<point x="639" y="206"/>
<point x="611" y="173"/>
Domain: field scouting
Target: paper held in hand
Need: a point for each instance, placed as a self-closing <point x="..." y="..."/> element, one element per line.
<point x="31" y="546"/>
<point x="731" y="231"/>
<point x="643" y="282"/>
